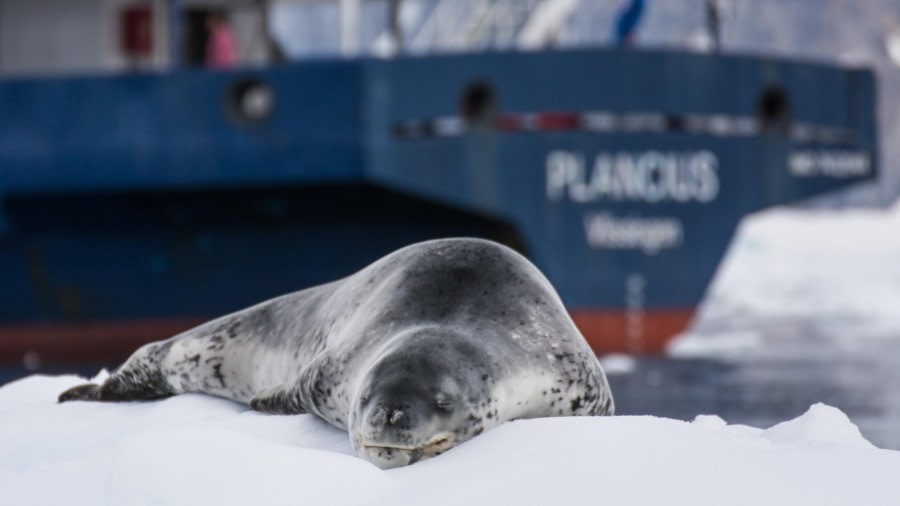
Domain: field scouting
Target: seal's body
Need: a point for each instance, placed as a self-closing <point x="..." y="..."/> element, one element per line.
<point x="416" y="353"/>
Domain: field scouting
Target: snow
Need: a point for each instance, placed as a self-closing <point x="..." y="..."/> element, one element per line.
<point x="195" y="449"/>
<point x="833" y="272"/>
<point x="618" y="363"/>
<point x="731" y="344"/>
<point x="836" y="272"/>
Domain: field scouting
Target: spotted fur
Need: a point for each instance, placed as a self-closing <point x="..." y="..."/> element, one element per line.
<point x="417" y="353"/>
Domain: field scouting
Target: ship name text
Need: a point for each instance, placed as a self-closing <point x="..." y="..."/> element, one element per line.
<point x="647" y="176"/>
<point x="830" y="164"/>
<point x="650" y="235"/>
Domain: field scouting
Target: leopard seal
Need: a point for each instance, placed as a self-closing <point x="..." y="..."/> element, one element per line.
<point x="413" y="355"/>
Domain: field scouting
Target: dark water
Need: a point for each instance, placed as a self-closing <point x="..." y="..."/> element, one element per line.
<point x="774" y="382"/>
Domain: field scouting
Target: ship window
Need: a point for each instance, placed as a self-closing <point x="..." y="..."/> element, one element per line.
<point x="774" y="110"/>
<point x="478" y="104"/>
<point x="250" y="102"/>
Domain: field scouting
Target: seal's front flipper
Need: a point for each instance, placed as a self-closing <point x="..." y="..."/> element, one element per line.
<point x="122" y="386"/>
<point x="88" y="392"/>
<point x="281" y="400"/>
<point x="114" y="390"/>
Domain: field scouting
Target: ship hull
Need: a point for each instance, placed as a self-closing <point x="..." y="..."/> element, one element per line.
<point x="134" y="206"/>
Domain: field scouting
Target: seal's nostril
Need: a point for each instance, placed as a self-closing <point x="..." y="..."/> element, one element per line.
<point x="396" y="417"/>
<point x="380" y="417"/>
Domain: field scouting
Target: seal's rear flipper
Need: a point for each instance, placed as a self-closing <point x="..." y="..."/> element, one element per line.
<point x="88" y="392"/>
<point x="281" y="400"/>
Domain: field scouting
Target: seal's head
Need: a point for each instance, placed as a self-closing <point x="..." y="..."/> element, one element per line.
<point x="421" y="399"/>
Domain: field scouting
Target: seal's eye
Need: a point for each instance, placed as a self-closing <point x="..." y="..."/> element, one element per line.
<point x="445" y="404"/>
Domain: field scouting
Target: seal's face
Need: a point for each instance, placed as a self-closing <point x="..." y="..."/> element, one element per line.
<point x="404" y="423"/>
<point x="416" y="404"/>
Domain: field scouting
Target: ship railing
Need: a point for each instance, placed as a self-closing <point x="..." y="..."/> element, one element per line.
<point x="461" y="25"/>
<point x="444" y="26"/>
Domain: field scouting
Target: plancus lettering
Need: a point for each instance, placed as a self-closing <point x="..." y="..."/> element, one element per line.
<point x="649" y="176"/>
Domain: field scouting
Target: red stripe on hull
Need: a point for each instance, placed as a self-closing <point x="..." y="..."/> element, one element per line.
<point x="644" y="332"/>
<point x="640" y="333"/>
<point x="90" y="342"/>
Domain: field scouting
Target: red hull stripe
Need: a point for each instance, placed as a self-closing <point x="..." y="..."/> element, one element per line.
<point x="89" y="342"/>
<point x="640" y="333"/>
<point x="645" y="332"/>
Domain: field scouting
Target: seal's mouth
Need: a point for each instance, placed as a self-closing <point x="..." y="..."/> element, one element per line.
<point x="439" y="443"/>
<point x="388" y="456"/>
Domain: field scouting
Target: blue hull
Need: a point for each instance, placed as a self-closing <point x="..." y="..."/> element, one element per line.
<point x="622" y="175"/>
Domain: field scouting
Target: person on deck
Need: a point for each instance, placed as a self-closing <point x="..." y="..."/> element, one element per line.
<point x="221" y="45"/>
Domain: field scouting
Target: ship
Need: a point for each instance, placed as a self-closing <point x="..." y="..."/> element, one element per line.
<point x="134" y="205"/>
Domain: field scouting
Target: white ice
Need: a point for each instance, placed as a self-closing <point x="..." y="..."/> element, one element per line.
<point x="195" y="449"/>
<point x="835" y="273"/>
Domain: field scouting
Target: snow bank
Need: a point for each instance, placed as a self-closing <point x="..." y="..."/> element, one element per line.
<point x="834" y="273"/>
<point x="194" y="449"/>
